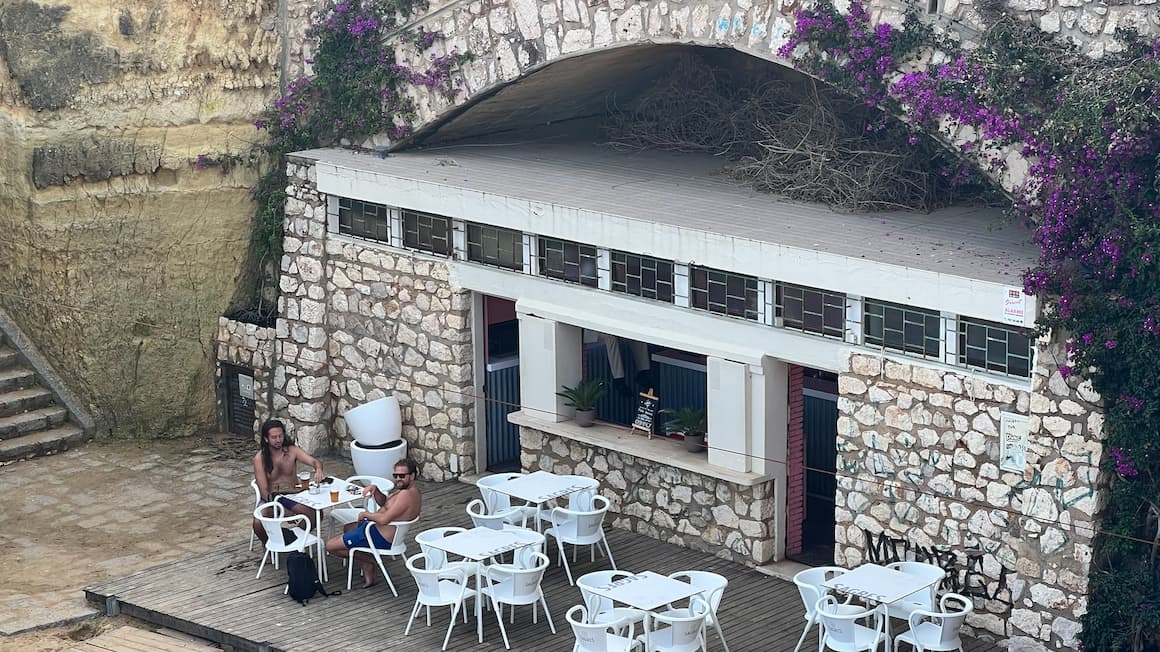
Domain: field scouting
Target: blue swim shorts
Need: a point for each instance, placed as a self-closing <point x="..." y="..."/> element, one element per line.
<point x="357" y="538"/>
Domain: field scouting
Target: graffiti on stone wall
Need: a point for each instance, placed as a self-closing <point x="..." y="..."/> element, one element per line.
<point x="964" y="570"/>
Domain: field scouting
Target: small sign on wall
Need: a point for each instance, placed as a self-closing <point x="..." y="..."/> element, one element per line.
<point x="1014" y="307"/>
<point x="246" y="386"/>
<point x="1012" y="442"/>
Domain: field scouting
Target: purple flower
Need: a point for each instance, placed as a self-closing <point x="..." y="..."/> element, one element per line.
<point x="1125" y="465"/>
<point x="1110" y="344"/>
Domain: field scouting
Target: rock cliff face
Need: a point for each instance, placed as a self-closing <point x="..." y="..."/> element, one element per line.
<point x="119" y="249"/>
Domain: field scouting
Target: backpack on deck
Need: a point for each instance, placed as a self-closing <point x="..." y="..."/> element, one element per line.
<point x="302" y="578"/>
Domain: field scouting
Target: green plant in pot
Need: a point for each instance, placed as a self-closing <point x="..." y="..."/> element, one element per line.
<point x="691" y="424"/>
<point x="583" y="397"/>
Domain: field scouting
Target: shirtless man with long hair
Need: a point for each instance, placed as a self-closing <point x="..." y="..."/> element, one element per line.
<point x="276" y="465"/>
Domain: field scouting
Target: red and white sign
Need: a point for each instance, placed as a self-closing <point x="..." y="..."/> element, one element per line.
<point x="1014" y="307"/>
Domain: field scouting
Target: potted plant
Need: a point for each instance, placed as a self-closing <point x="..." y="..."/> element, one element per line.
<point x="691" y="424"/>
<point x="583" y="396"/>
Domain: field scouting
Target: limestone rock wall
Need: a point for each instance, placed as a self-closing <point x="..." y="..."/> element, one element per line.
<point x="663" y="502"/>
<point x="919" y="477"/>
<point x="358" y="322"/>
<point x="119" y="253"/>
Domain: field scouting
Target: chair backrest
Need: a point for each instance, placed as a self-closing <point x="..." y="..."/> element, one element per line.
<point x="257" y="493"/>
<point x="597" y="604"/>
<point x="273" y="525"/>
<point x="927" y="597"/>
<point x="711" y="585"/>
<point x="477" y="510"/>
<point x="809" y="584"/>
<point x="588" y="524"/>
<point x="399" y="543"/>
<point x="592" y="638"/>
<point x="949" y="619"/>
<point x="494" y="500"/>
<point x="435" y="558"/>
<point x="427" y="578"/>
<point x="838" y="620"/>
<point x="384" y="485"/>
<point x="525" y="582"/>
<point x="581" y="501"/>
<point x="685" y="625"/>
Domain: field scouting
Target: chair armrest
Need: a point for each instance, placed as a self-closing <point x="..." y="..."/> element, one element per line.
<point x="301" y="517"/>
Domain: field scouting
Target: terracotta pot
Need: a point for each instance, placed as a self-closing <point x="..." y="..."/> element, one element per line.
<point x="585" y="418"/>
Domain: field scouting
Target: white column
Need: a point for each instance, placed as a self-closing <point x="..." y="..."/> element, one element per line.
<point x="769" y="394"/>
<point x="728" y="400"/>
<point x="550" y="357"/>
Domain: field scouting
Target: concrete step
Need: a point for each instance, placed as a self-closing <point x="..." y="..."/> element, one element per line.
<point x="43" y="442"/>
<point x="23" y="400"/>
<point x="16" y="378"/>
<point x="9" y="356"/>
<point x="31" y="421"/>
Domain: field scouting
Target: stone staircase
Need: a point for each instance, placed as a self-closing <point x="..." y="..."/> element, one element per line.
<point x="33" y="420"/>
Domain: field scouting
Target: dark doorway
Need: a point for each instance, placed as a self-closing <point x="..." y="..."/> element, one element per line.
<point x="501" y="385"/>
<point x="820" y="426"/>
<point x="238" y="387"/>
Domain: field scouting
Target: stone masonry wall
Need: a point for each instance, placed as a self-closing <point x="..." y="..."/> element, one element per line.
<point x="358" y="322"/>
<point x="252" y="347"/>
<point x="663" y="502"/>
<point x="919" y="477"/>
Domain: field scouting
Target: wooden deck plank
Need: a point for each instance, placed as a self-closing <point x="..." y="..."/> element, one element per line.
<point x="215" y="596"/>
<point x="135" y="639"/>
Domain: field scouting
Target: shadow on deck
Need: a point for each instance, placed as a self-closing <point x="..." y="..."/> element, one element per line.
<point x="215" y="596"/>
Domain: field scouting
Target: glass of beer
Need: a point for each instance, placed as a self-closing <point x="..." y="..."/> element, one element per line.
<point x="334" y="495"/>
<point x="304" y="480"/>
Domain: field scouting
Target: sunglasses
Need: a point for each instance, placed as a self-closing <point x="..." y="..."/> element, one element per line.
<point x="400" y="475"/>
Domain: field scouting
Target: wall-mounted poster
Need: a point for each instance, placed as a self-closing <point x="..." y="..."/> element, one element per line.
<point x="246" y="386"/>
<point x="1012" y="442"/>
<point x="1014" y="307"/>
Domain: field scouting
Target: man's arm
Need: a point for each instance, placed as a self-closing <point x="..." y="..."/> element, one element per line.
<point x="306" y="458"/>
<point x="261" y="479"/>
<point x="392" y="510"/>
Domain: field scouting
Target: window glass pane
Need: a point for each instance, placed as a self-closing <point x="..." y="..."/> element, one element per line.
<point x="427" y="232"/>
<point x="995" y="347"/>
<point x="724" y="292"/>
<point x="492" y="245"/>
<point x="363" y="219"/>
<point x="907" y="329"/>
<point x="642" y="276"/>
<point x="811" y="310"/>
<point x="567" y="261"/>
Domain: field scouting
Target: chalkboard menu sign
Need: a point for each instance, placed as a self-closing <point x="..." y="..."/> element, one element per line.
<point x="646" y="412"/>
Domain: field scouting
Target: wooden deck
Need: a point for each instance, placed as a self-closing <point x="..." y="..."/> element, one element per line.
<point x="215" y="596"/>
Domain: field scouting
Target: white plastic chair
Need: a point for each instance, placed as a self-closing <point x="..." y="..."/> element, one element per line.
<point x="712" y="588"/>
<point x="580" y="501"/>
<point x="257" y="501"/>
<point x="398" y="549"/>
<point x="580" y="529"/>
<point x="275" y="536"/>
<point x="514" y="586"/>
<point x="477" y="511"/>
<point x="436" y="559"/>
<point x="601" y="610"/>
<point x="924" y="600"/>
<point x="598" y="637"/>
<point x="809" y="584"/>
<point x="501" y="503"/>
<point x="937" y="631"/>
<point x="346" y="515"/>
<point x="684" y="630"/>
<point x="841" y="631"/>
<point x="438" y="587"/>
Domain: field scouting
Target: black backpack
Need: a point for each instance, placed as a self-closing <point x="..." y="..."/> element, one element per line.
<point x="302" y="578"/>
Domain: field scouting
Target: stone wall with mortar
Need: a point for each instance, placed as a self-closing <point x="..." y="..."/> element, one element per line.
<point x="251" y="347"/>
<point x="358" y="322"/>
<point x="646" y="496"/>
<point x="119" y="253"/>
<point x="918" y="470"/>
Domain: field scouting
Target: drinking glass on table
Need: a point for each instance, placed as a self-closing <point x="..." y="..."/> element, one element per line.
<point x="304" y="480"/>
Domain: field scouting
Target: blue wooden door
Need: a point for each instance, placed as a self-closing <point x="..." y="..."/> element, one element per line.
<point x="502" y="387"/>
<point x="820" y="426"/>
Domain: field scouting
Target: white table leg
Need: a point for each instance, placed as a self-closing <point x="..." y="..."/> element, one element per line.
<point x="478" y="606"/>
<point x="322" y="574"/>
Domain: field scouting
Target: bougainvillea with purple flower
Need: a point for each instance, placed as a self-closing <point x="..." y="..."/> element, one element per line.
<point x="1090" y="132"/>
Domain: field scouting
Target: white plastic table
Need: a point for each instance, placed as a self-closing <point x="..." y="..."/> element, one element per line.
<point x="478" y="544"/>
<point x="539" y="487"/>
<point x="647" y="591"/>
<point x="320" y="502"/>
<point x="877" y="584"/>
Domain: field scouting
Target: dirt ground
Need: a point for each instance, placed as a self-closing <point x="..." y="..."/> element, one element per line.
<point x="106" y="510"/>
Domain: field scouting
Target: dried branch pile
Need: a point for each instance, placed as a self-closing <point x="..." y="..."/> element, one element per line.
<point x="799" y="141"/>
